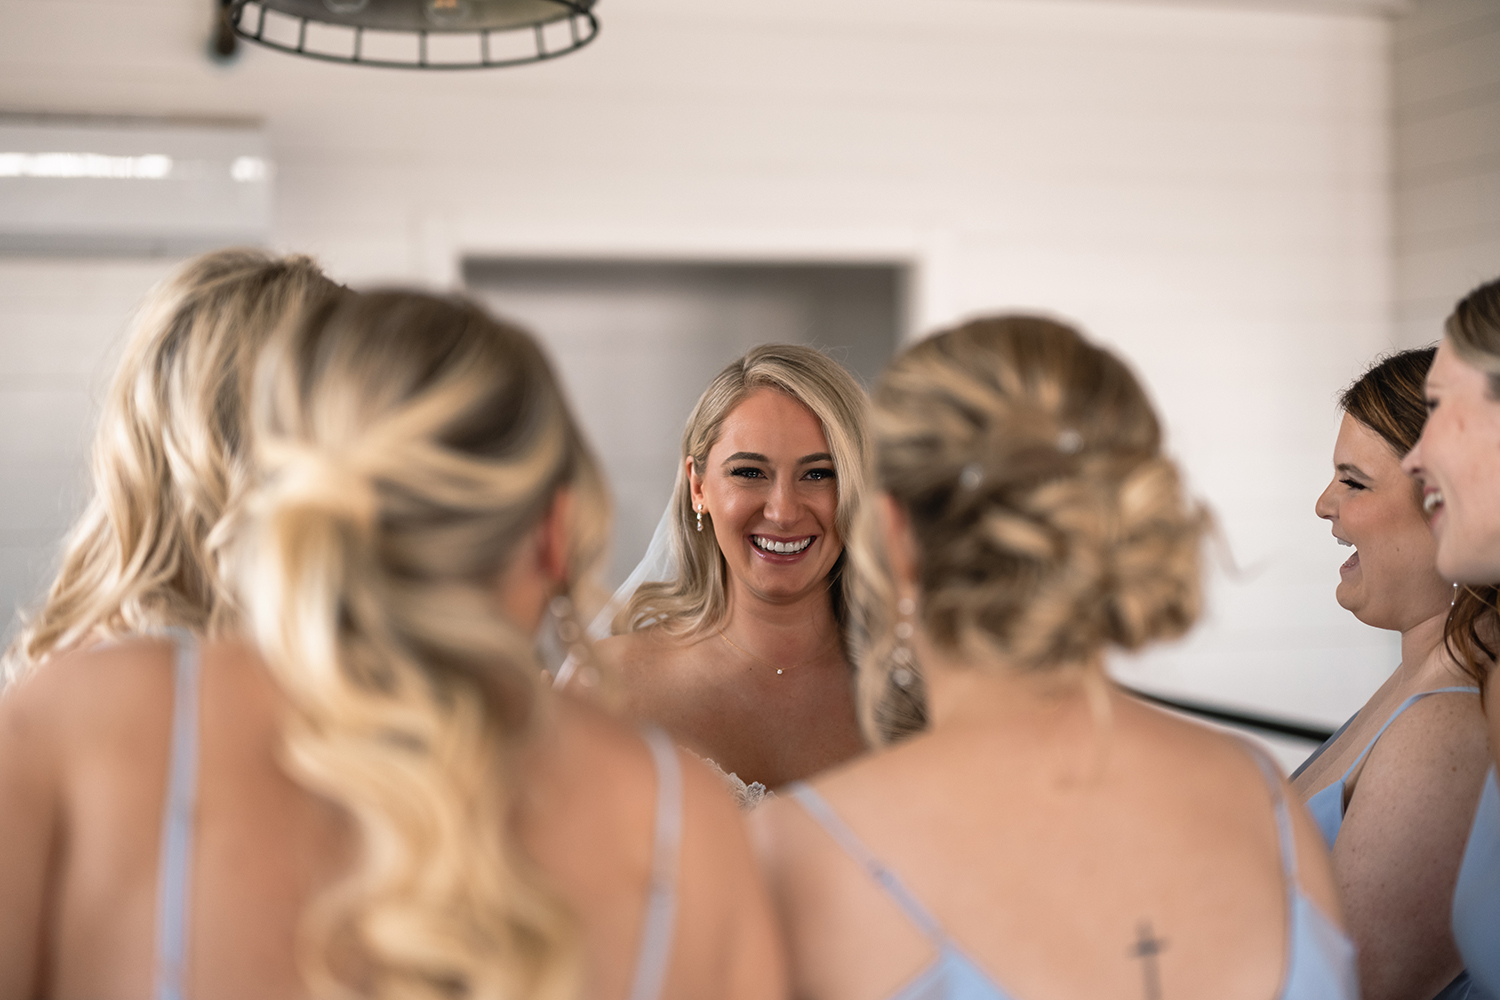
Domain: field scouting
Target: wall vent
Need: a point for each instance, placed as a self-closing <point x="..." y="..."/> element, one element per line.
<point x="120" y="188"/>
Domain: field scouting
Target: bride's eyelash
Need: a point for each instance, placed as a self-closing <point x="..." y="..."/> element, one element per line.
<point x="746" y="472"/>
<point x="1354" y="484"/>
<point x="821" y="473"/>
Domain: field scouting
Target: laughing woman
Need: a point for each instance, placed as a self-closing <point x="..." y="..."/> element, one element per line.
<point x="1457" y="461"/>
<point x="1394" y="790"/>
<point x="742" y="657"/>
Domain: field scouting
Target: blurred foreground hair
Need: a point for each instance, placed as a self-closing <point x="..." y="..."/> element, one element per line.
<point x="169" y="457"/>
<point x="1048" y="523"/>
<point x="407" y="447"/>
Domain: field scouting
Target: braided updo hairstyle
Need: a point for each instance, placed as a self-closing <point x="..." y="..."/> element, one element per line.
<point x="1047" y="521"/>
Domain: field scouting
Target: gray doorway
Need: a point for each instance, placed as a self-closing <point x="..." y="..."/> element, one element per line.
<point x="635" y="343"/>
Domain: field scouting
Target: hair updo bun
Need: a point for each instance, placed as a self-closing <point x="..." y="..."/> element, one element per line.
<point x="1048" y="523"/>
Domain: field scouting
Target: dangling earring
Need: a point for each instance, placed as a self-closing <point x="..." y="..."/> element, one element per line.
<point x="700" y="517"/>
<point x="903" y="675"/>
<point x="1454" y="600"/>
<point x="570" y="637"/>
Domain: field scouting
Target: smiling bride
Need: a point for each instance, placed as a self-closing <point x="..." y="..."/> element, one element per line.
<point x="742" y="655"/>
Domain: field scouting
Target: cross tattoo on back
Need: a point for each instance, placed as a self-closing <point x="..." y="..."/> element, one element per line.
<point x="1146" y="948"/>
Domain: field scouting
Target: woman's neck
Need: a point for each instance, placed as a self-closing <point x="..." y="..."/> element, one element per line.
<point x="1424" y="659"/>
<point x="792" y="630"/>
<point x="961" y="688"/>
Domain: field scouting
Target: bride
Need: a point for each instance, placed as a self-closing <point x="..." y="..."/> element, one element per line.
<point x="738" y="646"/>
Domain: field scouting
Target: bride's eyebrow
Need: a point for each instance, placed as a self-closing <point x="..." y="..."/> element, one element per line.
<point x="755" y="456"/>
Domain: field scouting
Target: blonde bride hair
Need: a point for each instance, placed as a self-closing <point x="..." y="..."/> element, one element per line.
<point x="168" y="458"/>
<point x="407" y="448"/>
<point x="698" y="599"/>
<point x="1048" y="521"/>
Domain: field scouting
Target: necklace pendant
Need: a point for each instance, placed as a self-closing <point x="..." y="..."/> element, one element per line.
<point x="778" y="670"/>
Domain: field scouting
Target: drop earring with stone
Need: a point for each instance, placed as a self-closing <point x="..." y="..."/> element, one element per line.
<point x="578" y="664"/>
<point x="903" y="673"/>
<point x="700" y="517"/>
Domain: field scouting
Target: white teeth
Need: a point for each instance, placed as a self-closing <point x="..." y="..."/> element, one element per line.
<point x="783" y="548"/>
<point x="1342" y="542"/>
<point x="1430" y="501"/>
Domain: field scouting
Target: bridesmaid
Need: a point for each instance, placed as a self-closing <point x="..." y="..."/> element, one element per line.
<point x="1394" y="790"/>
<point x="362" y="789"/>
<point x="743" y="656"/>
<point x="1047" y="835"/>
<point x="1457" y="461"/>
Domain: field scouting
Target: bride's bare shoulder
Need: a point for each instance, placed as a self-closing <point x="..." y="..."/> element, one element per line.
<point x="646" y="651"/>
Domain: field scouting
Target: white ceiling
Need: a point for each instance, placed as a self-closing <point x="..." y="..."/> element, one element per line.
<point x="1311" y="6"/>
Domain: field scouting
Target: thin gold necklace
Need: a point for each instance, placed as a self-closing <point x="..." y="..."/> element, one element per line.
<point x="758" y="659"/>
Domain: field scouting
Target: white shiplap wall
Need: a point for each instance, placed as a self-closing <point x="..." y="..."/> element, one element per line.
<point x="1206" y="186"/>
<point x="1447" y="140"/>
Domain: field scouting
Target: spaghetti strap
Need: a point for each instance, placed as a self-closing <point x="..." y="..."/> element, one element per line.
<point x="661" y="901"/>
<point x="822" y="813"/>
<point x="177" y="823"/>
<point x="1408" y="703"/>
<point x="1288" y="842"/>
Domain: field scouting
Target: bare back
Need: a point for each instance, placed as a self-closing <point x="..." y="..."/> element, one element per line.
<point x="84" y="751"/>
<point x="1144" y="865"/>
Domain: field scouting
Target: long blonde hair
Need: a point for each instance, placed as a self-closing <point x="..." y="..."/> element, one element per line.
<point x="407" y="448"/>
<point x="698" y="599"/>
<point x="169" y="457"/>
<point x="1048" y="521"/>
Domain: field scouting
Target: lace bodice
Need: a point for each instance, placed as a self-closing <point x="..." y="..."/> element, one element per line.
<point x="748" y="796"/>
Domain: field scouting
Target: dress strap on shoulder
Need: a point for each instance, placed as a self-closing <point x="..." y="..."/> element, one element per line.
<point x="818" y="808"/>
<point x="176" y="860"/>
<point x="661" y="900"/>
<point x="1408" y="703"/>
<point x="1272" y="774"/>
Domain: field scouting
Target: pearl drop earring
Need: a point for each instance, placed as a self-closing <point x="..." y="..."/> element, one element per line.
<point x="700" y="517"/>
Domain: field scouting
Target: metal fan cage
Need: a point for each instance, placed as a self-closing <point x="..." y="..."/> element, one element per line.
<point x="298" y="28"/>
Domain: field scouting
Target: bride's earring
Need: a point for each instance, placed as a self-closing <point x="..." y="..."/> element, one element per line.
<point x="903" y="675"/>
<point x="700" y="517"/>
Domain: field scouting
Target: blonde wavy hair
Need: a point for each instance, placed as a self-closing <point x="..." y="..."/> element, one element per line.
<point x="169" y="457"/>
<point x="1048" y="522"/>
<point x="407" y="448"/>
<point x="698" y="599"/>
